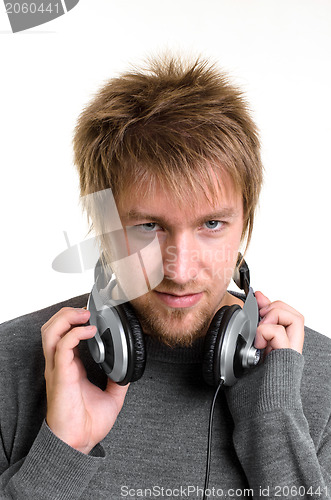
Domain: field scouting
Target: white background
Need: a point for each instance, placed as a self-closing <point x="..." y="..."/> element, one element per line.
<point x="277" y="50"/>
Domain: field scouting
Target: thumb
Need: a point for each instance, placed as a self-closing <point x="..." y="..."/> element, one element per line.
<point x="117" y="392"/>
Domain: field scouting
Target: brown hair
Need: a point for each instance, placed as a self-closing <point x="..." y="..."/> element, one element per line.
<point x="168" y="123"/>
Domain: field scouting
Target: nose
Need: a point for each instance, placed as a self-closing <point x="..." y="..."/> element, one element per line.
<point x="181" y="258"/>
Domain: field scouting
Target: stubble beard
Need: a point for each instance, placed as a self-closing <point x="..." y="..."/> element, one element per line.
<point x="167" y="327"/>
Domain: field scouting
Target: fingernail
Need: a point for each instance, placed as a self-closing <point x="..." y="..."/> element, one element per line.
<point x="81" y="311"/>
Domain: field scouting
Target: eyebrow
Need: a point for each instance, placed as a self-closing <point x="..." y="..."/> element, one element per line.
<point x="224" y="213"/>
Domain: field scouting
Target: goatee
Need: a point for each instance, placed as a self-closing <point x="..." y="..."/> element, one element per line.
<point x="166" y="327"/>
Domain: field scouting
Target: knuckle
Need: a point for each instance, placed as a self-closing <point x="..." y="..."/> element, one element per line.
<point x="280" y="329"/>
<point x="65" y="311"/>
<point x="66" y="336"/>
<point x="45" y="326"/>
<point x="60" y="347"/>
<point x="43" y="334"/>
<point x="47" y="372"/>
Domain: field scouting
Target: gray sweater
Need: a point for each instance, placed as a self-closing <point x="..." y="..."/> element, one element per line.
<point x="271" y="434"/>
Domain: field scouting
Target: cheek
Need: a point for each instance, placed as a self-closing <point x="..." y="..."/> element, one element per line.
<point x="219" y="260"/>
<point x="218" y="267"/>
<point x="222" y="254"/>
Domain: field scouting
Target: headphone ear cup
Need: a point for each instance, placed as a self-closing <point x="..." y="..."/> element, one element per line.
<point x="135" y="342"/>
<point x="209" y="346"/>
<point x="211" y="365"/>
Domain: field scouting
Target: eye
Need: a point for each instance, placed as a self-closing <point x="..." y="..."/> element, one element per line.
<point x="214" y="224"/>
<point x="148" y="227"/>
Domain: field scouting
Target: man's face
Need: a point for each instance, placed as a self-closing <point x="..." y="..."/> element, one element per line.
<point x="199" y="245"/>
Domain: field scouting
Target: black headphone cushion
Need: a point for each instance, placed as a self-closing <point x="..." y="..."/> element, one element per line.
<point x="136" y="343"/>
<point x="209" y="346"/>
<point x="211" y="365"/>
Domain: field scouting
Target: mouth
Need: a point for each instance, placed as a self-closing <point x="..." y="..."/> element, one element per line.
<point x="177" y="300"/>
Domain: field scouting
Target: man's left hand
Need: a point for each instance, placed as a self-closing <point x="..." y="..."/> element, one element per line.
<point x="281" y="326"/>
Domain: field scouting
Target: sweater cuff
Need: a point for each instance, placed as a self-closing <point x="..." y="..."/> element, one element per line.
<point x="52" y="466"/>
<point x="274" y="384"/>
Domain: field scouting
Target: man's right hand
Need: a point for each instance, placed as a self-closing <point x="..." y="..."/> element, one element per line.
<point x="78" y="412"/>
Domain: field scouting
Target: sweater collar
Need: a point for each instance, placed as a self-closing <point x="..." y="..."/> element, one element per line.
<point x="161" y="352"/>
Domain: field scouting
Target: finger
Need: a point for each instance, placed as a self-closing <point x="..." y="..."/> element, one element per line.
<point x="262" y="300"/>
<point x="66" y="316"/>
<point x="59" y="325"/>
<point x="293" y="324"/>
<point x="60" y="312"/>
<point x="278" y="304"/>
<point x="66" y="348"/>
<point x="273" y="336"/>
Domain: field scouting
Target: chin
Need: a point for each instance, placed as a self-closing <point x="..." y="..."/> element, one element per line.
<point x="175" y="331"/>
<point x="174" y="327"/>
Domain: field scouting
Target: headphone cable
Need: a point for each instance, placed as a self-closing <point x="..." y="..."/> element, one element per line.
<point x="211" y="416"/>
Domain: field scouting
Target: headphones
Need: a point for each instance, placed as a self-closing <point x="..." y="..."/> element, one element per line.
<point x="119" y="346"/>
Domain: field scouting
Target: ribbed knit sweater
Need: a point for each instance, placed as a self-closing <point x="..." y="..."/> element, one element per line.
<point x="271" y="433"/>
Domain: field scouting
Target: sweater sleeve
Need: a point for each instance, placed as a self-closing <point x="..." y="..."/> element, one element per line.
<point x="272" y="435"/>
<point x="34" y="463"/>
<point x="52" y="469"/>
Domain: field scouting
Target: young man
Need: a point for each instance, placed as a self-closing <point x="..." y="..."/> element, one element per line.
<point x="179" y="151"/>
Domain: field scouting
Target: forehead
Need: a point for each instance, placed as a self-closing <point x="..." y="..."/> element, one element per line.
<point x="158" y="201"/>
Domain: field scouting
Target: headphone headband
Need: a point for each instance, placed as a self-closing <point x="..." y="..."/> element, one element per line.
<point x="241" y="275"/>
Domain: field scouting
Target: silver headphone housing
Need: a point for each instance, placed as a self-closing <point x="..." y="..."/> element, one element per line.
<point x="104" y="317"/>
<point x="242" y="323"/>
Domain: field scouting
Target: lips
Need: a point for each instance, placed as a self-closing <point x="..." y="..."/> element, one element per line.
<point x="179" y="301"/>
